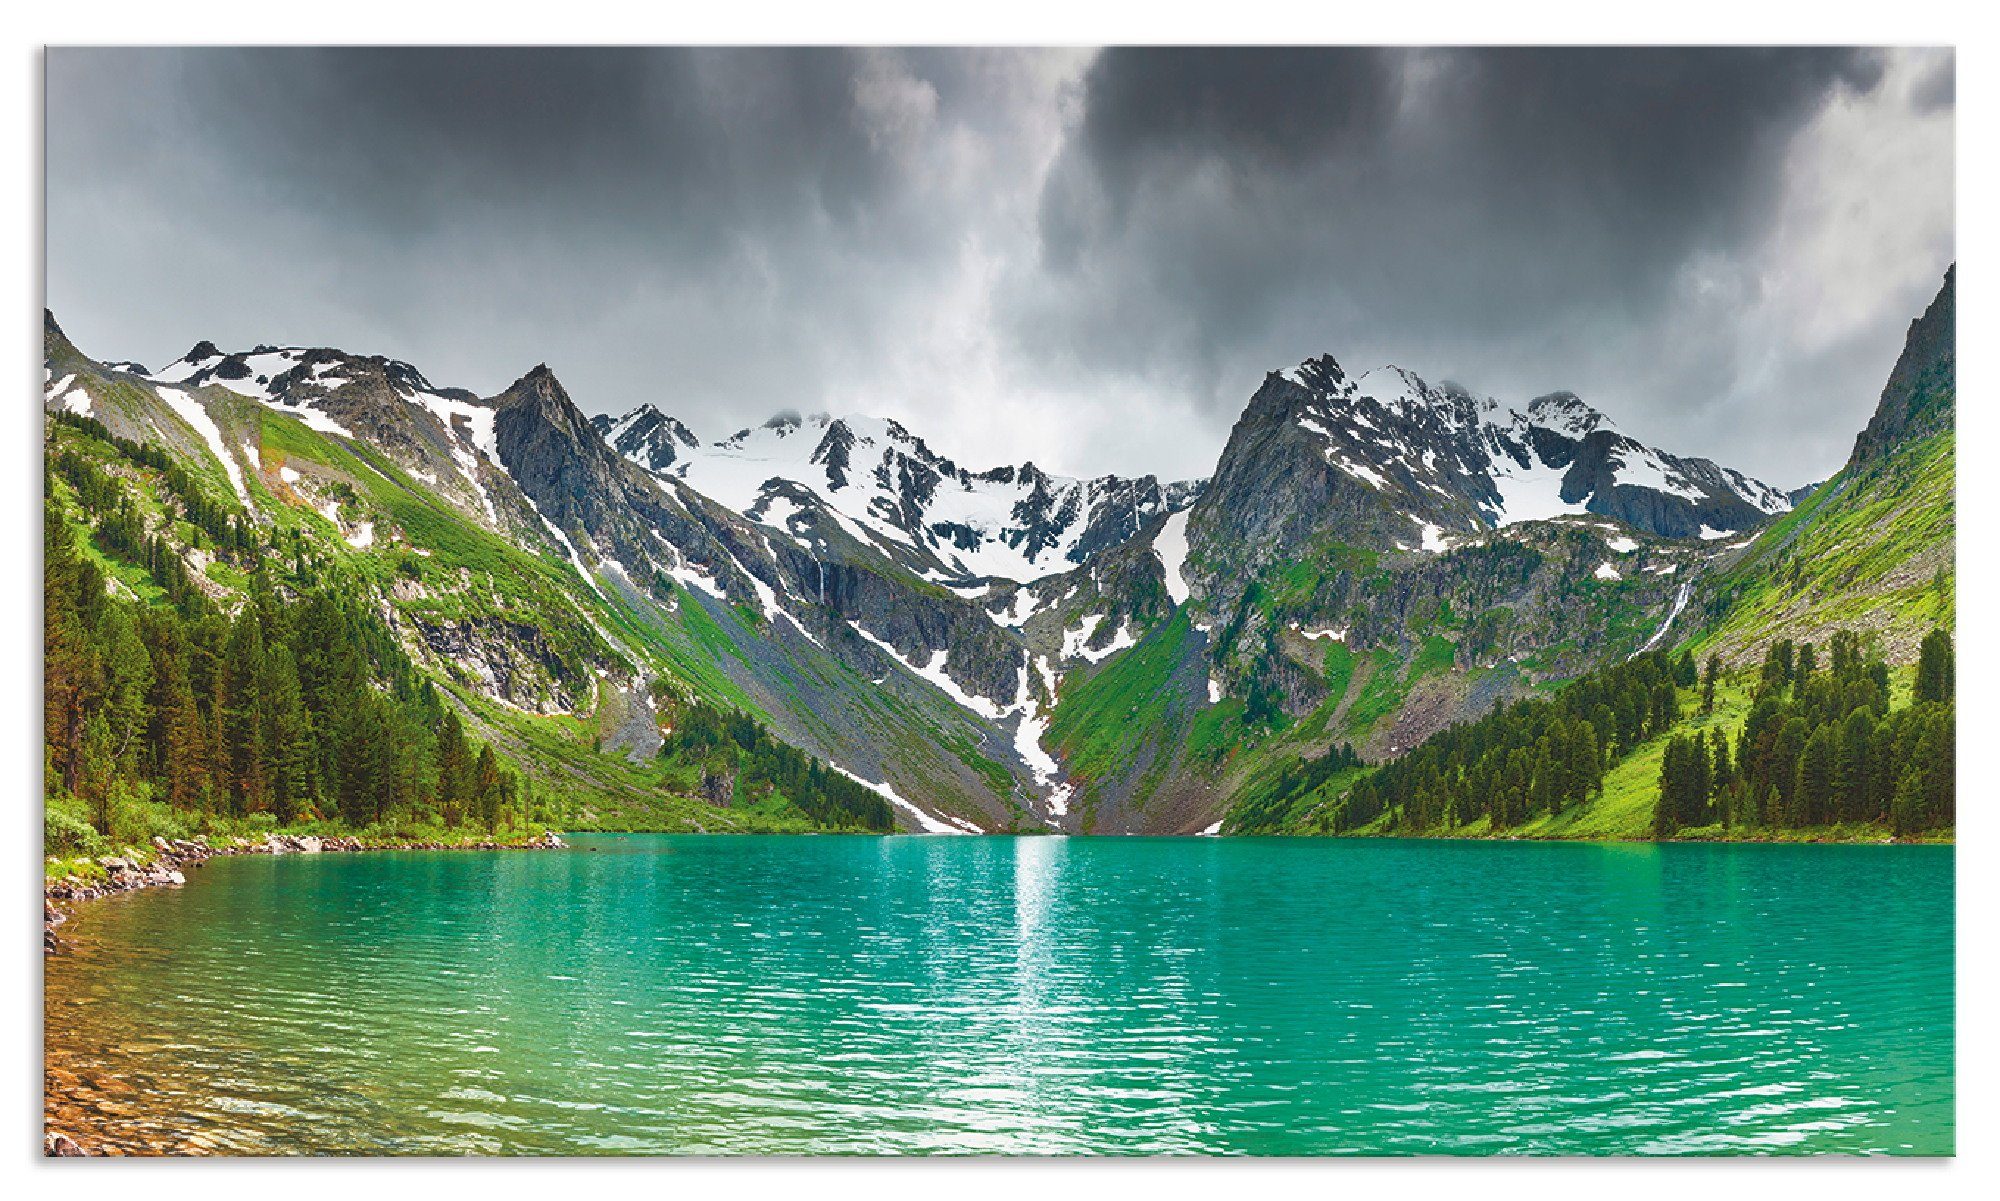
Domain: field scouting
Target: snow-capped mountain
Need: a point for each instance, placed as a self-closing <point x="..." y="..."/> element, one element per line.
<point x="884" y="487"/>
<point x="936" y="630"/>
<point x="1390" y="463"/>
<point x="1440" y="446"/>
<point x="647" y="436"/>
<point x="444" y="436"/>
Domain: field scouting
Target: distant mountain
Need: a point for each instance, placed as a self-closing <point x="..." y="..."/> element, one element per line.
<point x="884" y="486"/>
<point x="995" y="648"/>
<point x="1389" y="461"/>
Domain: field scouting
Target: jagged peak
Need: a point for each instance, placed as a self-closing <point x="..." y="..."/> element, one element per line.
<point x="642" y="411"/>
<point x="1404" y="391"/>
<point x="1567" y="414"/>
<point x="541" y="388"/>
<point x="1322" y="376"/>
<point x="656" y="419"/>
<point x="540" y="382"/>
<point x="1921" y="392"/>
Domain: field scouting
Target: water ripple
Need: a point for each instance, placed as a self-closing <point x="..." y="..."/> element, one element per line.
<point x="1020" y="996"/>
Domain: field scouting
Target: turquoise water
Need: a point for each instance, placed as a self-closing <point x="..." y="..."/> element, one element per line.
<point x="1035" y="995"/>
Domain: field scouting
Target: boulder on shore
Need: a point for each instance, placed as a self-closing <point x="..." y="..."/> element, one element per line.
<point x="61" y="1146"/>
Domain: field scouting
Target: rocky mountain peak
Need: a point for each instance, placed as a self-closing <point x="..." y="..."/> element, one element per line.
<point x="1321" y="377"/>
<point x="1566" y="414"/>
<point x="646" y="436"/>
<point x="1921" y="394"/>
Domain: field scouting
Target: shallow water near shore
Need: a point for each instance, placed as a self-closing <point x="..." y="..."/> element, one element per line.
<point x="1036" y="995"/>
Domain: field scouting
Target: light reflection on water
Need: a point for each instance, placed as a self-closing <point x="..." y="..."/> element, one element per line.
<point x="1034" y="995"/>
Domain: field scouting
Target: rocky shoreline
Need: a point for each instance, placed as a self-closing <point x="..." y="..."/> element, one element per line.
<point x="173" y="858"/>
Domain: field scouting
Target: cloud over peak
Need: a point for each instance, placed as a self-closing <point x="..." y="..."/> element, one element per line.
<point x="1089" y="258"/>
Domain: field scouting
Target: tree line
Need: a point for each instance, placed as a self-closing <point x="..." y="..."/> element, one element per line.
<point x="1535" y="757"/>
<point x="301" y="705"/>
<point x="740" y="762"/>
<point x="1822" y="746"/>
<point x="223" y="525"/>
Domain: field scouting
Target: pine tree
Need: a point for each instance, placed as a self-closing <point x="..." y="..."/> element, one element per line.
<point x="1666" y="708"/>
<point x="1547" y="791"/>
<point x="365" y="764"/>
<point x="1814" y="792"/>
<point x="1721" y="775"/>
<point x="96" y="769"/>
<point x="128" y="676"/>
<point x="176" y="740"/>
<point x="1935" y="670"/>
<point x="1783" y="768"/>
<point x="1708" y="679"/>
<point x="489" y="786"/>
<point x="1855" y="767"/>
<point x="240" y="724"/>
<point x="456" y="788"/>
<point x="72" y="671"/>
<point x="287" y="732"/>
<point x="1666" y="813"/>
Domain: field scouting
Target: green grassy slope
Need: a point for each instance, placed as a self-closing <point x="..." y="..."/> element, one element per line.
<point x="1622" y="813"/>
<point x="1871" y="550"/>
<point x="430" y="566"/>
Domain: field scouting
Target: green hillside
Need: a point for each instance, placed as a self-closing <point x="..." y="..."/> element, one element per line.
<point x="1863" y="571"/>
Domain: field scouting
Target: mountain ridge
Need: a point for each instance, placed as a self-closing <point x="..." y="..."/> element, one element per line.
<point x="956" y="638"/>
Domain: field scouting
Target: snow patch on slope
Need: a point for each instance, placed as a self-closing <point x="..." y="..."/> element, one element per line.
<point x="1532" y="493"/>
<point x="1074" y="640"/>
<point x="1171" y="546"/>
<point x="191" y="412"/>
<point x="935" y="673"/>
<point x="926" y="823"/>
<point x="478" y="432"/>
<point x="1028" y="736"/>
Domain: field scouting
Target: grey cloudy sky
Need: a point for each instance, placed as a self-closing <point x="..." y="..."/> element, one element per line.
<point x="1087" y="258"/>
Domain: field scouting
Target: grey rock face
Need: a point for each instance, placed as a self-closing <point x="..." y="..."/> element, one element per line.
<point x="1921" y="393"/>
<point x="1390" y="462"/>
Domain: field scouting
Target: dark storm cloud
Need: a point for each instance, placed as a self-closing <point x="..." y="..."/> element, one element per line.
<point x="703" y="228"/>
<point x="405" y="135"/>
<point x="1659" y="140"/>
<point x="1434" y="200"/>
<point x="1023" y="251"/>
